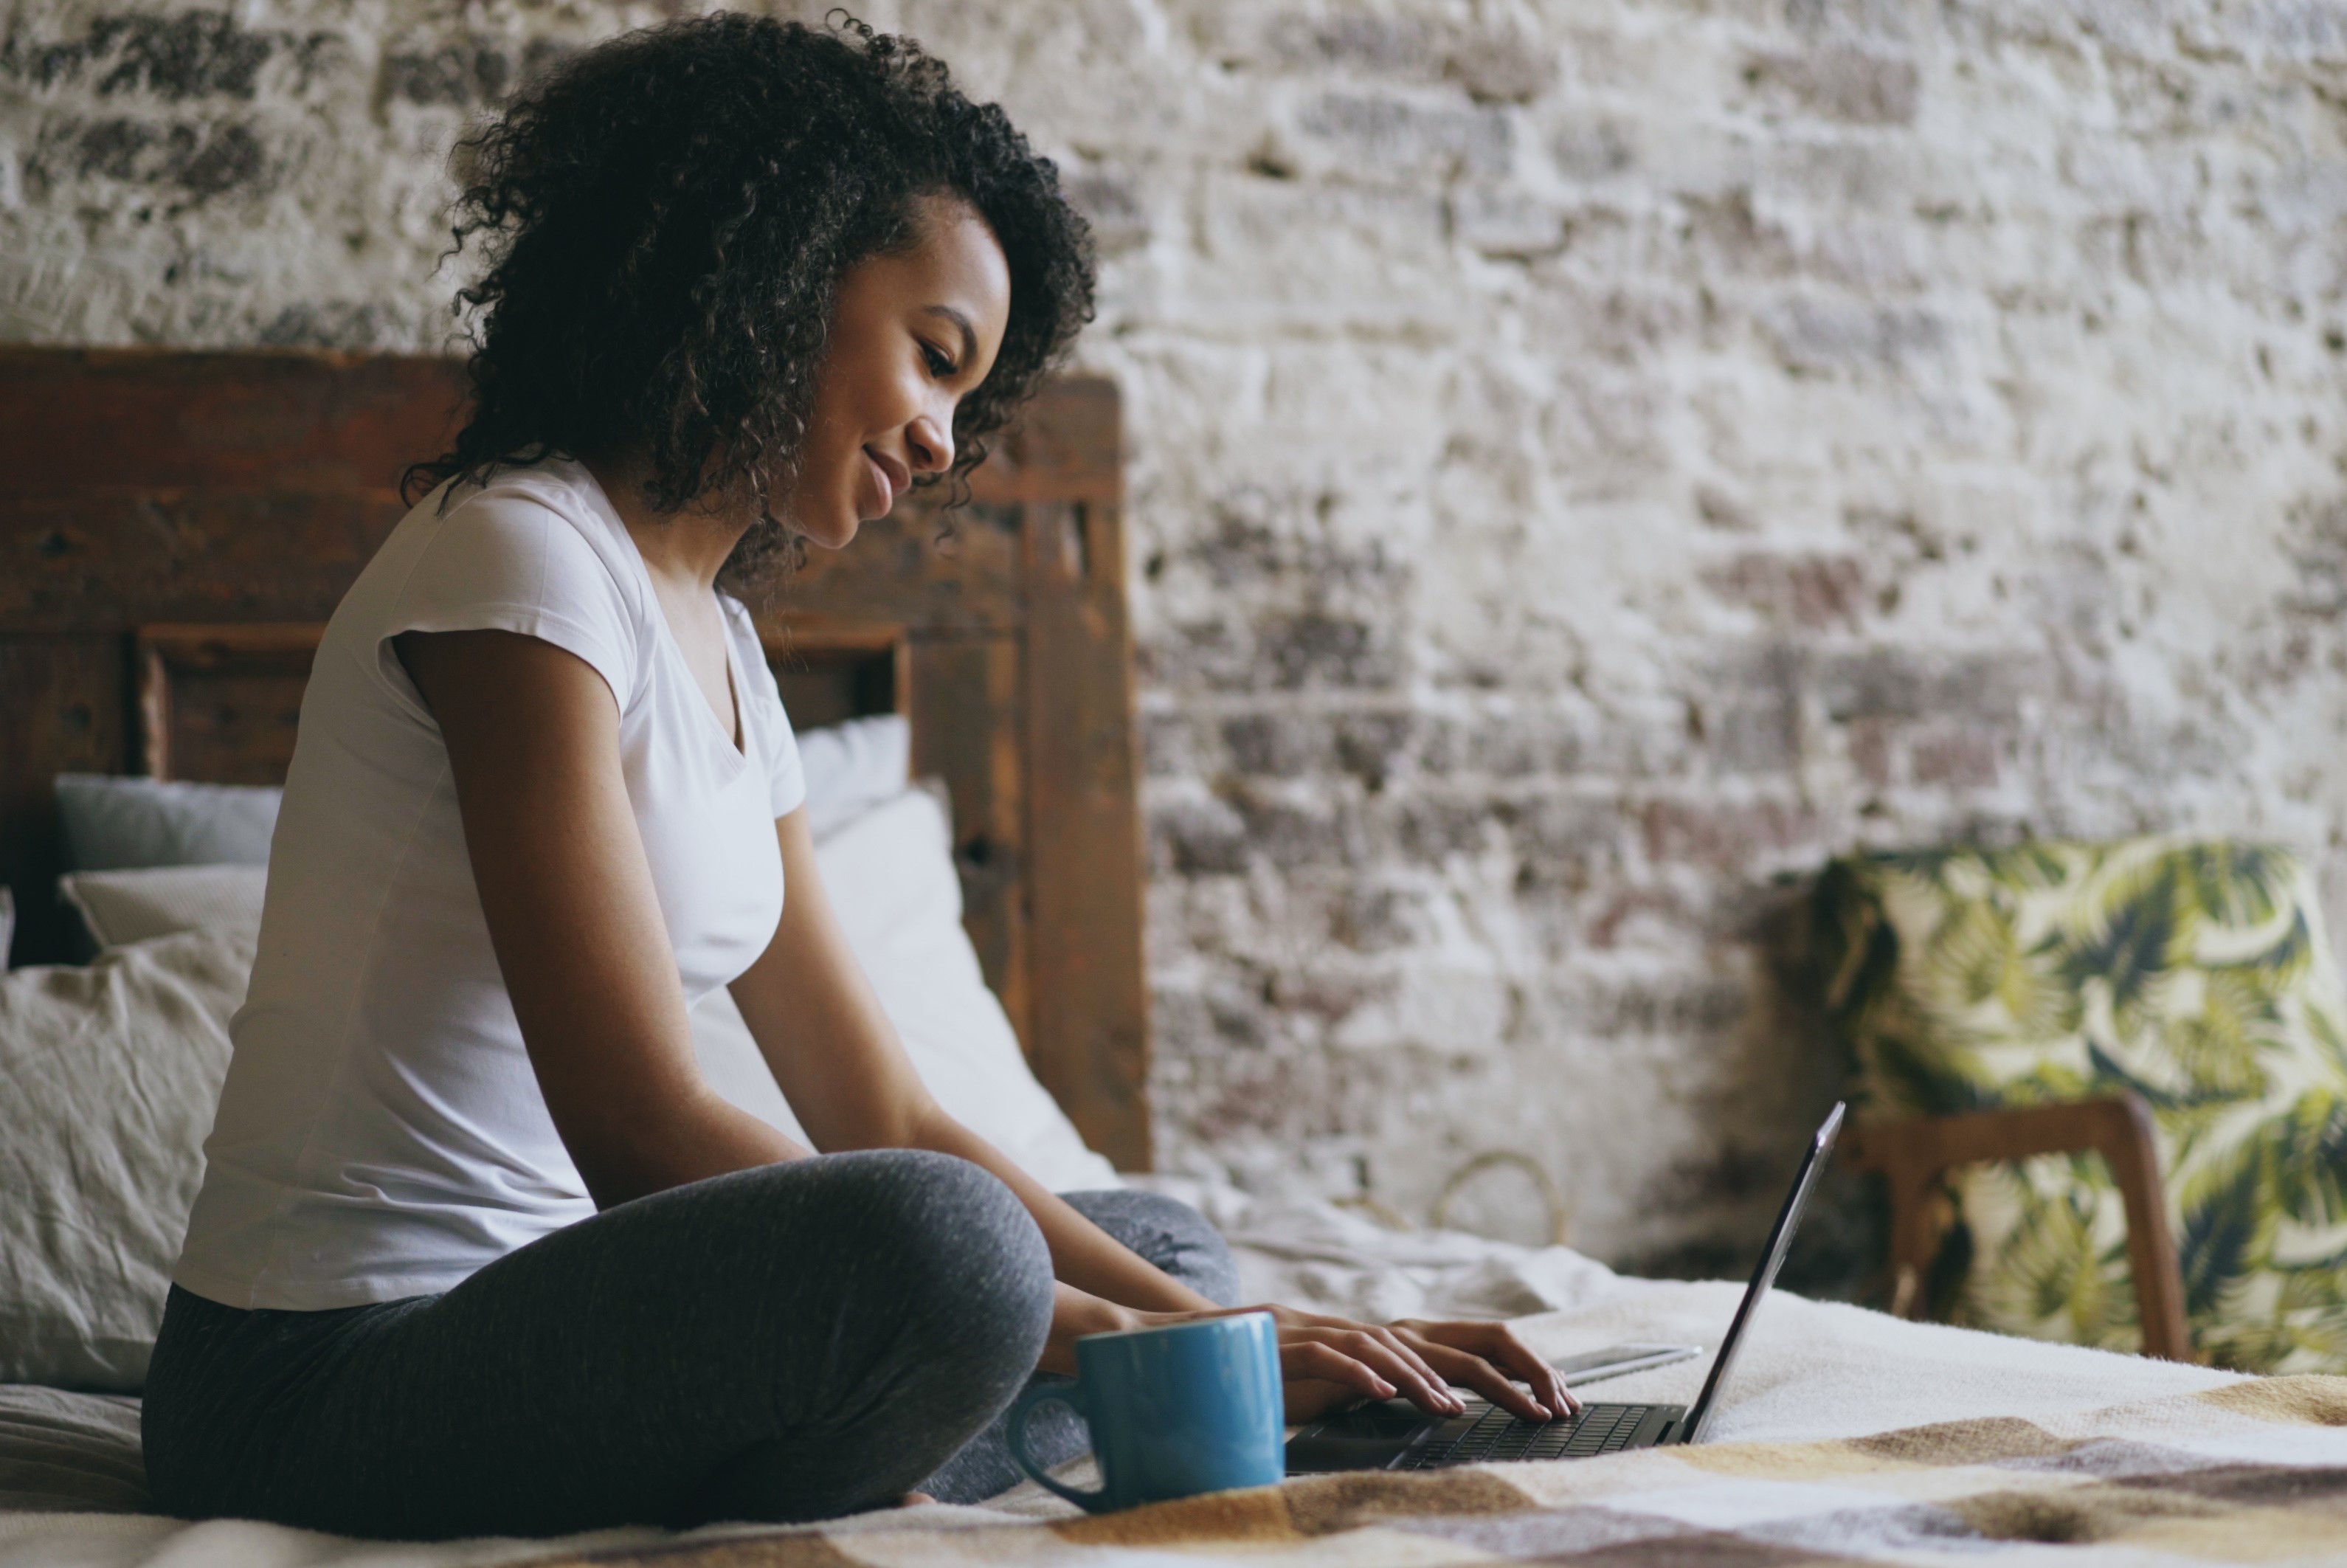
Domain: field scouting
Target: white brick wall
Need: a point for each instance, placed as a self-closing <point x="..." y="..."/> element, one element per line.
<point x="1588" y="460"/>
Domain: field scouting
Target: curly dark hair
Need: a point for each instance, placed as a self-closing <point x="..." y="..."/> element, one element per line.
<point x="665" y="219"/>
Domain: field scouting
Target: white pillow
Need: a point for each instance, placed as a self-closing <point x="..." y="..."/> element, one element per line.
<point x="122" y="907"/>
<point x="107" y="1079"/>
<point x="112" y="822"/>
<point x="891" y="876"/>
<point x="852" y="767"/>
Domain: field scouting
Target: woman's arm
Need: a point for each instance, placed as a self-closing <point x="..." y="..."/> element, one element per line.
<point x="532" y="733"/>
<point x="840" y="1063"/>
<point x="532" y="736"/>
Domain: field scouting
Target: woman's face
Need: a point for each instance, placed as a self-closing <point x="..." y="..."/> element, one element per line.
<point x="913" y="334"/>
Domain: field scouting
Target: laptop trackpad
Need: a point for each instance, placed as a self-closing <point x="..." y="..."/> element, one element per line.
<point x="1370" y="1437"/>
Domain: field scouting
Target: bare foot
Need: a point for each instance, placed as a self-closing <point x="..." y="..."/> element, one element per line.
<point x="914" y="1500"/>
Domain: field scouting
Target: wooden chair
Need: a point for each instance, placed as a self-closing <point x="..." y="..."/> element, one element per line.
<point x="1914" y="1153"/>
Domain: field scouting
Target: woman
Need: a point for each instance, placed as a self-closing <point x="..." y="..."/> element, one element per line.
<point x="477" y="1250"/>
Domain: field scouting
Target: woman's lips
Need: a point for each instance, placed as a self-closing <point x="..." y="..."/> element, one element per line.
<point x="890" y="487"/>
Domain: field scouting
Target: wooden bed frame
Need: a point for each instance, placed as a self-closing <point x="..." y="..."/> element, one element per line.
<point x="175" y="528"/>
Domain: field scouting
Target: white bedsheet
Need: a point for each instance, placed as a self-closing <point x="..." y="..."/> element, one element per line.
<point x="1810" y="1370"/>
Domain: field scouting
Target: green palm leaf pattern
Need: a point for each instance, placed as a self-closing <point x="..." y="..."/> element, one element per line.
<point x="2223" y="1215"/>
<point x="2050" y="1269"/>
<point x="2195" y="973"/>
<point x="2134" y="927"/>
<point x="2218" y="1050"/>
<point x="2306" y="1151"/>
<point x="2235" y="884"/>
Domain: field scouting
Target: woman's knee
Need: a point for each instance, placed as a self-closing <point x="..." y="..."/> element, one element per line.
<point x="1169" y="1234"/>
<point x="961" y="1252"/>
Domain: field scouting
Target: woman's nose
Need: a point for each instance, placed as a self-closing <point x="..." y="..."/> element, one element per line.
<point x="930" y="446"/>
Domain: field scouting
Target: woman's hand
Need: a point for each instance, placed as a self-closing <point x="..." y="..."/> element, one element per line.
<point x="1490" y="1359"/>
<point x="1330" y="1362"/>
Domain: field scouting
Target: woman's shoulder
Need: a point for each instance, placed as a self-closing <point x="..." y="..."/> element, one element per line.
<point x="534" y="550"/>
<point x="540" y="533"/>
<point x="551" y="505"/>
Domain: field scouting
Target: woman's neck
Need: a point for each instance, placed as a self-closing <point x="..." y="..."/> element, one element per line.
<point x="684" y="548"/>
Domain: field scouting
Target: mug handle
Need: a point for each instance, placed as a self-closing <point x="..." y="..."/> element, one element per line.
<point x="1015" y="1435"/>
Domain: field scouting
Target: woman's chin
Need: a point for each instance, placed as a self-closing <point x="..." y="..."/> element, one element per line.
<point x="833" y="533"/>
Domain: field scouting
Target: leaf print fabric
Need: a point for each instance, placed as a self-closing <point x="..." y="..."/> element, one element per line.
<point x="2195" y="973"/>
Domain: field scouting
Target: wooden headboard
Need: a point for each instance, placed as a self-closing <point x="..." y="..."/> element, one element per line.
<point x="174" y="528"/>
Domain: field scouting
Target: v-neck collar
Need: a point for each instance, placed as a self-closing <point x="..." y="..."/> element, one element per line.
<point x="736" y="736"/>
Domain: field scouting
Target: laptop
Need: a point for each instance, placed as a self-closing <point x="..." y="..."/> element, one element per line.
<point x="1393" y="1434"/>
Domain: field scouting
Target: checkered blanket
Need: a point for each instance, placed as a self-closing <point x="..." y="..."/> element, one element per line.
<point x="2252" y="1472"/>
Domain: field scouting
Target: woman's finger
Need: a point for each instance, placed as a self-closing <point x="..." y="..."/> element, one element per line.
<point x="1502" y="1347"/>
<point x="1356" y="1344"/>
<point x="1418" y="1382"/>
<point x="1407" y="1351"/>
<point x="1470" y="1371"/>
<point x="1512" y="1356"/>
<point x="1507" y="1351"/>
<point x="1395" y="1344"/>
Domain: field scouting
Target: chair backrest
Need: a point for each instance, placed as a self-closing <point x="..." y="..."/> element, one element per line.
<point x="2194" y="973"/>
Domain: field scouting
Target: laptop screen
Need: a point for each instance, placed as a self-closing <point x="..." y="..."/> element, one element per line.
<point x="1789" y="1219"/>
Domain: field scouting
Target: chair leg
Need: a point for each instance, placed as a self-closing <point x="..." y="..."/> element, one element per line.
<point x="2132" y="1154"/>
<point x="1914" y="1153"/>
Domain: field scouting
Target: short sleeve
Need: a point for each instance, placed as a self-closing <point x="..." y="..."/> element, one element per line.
<point x="504" y="560"/>
<point x="785" y="776"/>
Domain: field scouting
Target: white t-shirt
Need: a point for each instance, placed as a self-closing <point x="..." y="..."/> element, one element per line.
<point x="380" y="1134"/>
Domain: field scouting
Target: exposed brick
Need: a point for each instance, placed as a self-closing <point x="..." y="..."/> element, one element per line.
<point x="1816" y="334"/>
<point x="460" y="76"/>
<point x="1856" y="86"/>
<point x="1370" y="746"/>
<point x="1401" y="45"/>
<point x="1382" y="139"/>
<point x="197" y="159"/>
<point x="1901" y="684"/>
<point x="1807" y="591"/>
<point x="1378" y="920"/>
<point x="1754" y="738"/>
<point x="1315" y="648"/>
<point x="1198" y="839"/>
<point x="1869" y="750"/>
<point x="1631" y="904"/>
<point x="1288" y="833"/>
<point x="1958" y="758"/>
<point x="1112" y="205"/>
<point x="193" y="55"/>
<point x="1723" y="836"/>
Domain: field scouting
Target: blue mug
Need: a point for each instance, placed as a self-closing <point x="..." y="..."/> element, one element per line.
<point x="1175" y="1411"/>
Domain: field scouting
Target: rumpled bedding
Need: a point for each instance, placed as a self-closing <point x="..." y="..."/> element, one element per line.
<point x="1989" y="1440"/>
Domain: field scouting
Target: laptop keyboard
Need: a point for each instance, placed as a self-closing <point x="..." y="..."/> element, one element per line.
<point x="1496" y="1435"/>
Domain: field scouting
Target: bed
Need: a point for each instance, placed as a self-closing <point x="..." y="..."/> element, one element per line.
<point x="176" y="527"/>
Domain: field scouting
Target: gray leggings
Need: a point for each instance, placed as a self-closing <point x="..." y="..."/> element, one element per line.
<point x="794" y="1342"/>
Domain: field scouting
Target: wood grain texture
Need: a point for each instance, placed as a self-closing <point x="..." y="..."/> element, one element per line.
<point x="223" y="703"/>
<point x="1915" y="1152"/>
<point x="177" y="526"/>
<point x="965" y="714"/>
<point x="1090" y="1044"/>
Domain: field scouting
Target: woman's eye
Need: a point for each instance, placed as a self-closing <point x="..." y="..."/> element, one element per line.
<point x="939" y="366"/>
